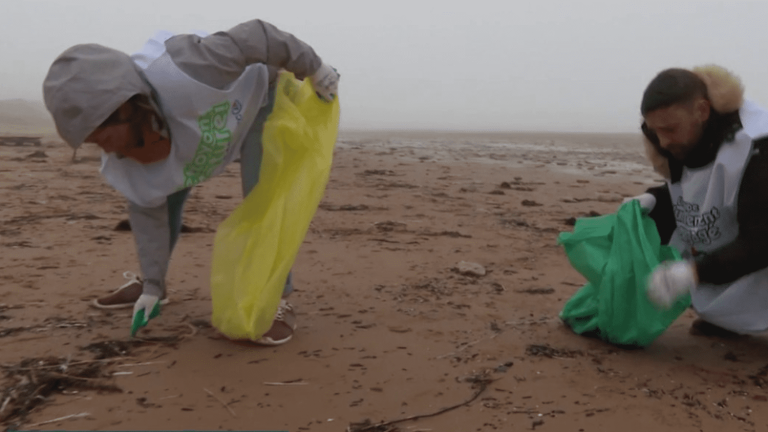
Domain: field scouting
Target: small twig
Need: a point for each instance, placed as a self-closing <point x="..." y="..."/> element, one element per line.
<point x="60" y="419"/>
<point x="141" y="364"/>
<point x="5" y="366"/>
<point x="523" y="412"/>
<point x="483" y="387"/>
<point x="170" y="397"/>
<point x="70" y="324"/>
<point x="33" y="338"/>
<point x="297" y="381"/>
<point x="383" y="240"/>
<point x="65" y="376"/>
<point x="194" y="331"/>
<point x="5" y="404"/>
<point x="221" y="402"/>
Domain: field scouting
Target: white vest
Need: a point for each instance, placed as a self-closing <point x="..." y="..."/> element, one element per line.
<point x="705" y="203"/>
<point x="207" y="127"/>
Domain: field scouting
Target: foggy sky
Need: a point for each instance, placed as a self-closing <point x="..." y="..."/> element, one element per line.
<point x="452" y="65"/>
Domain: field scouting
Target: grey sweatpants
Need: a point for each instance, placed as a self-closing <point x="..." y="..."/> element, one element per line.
<point x="156" y="230"/>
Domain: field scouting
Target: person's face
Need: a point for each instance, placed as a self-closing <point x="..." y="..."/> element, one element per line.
<point x="118" y="133"/>
<point x="679" y="127"/>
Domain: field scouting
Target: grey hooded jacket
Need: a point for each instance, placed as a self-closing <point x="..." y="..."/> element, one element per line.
<point x="86" y="83"/>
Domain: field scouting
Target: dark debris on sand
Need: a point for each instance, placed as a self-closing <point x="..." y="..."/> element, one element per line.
<point x="572" y="220"/>
<point x="537" y="291"/>
<point x="377" y="172"/>
<point x="32" y="381"/>
<point x="480" y="382"/>
<point x="344" y="207"/>
<point x="111" y="348"/>
<point x="368" y="426"/>
<point x="759" y="378"/>
<point x="548" y="351"/>
<point x="122" y="348"/>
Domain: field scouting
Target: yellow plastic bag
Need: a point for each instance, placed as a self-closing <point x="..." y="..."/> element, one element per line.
<point x="256" y="246"/>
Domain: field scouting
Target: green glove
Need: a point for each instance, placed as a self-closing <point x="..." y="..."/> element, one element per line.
<point x="141" y="311"/>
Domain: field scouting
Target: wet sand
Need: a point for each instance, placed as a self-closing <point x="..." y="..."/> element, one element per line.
<point x="387" y="327"/>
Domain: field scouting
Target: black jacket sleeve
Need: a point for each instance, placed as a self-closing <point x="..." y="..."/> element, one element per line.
<point x="663" y="213"/>
<point x="749" y="251"/>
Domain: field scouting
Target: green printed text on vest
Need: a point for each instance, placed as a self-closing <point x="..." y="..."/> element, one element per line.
<point x="215" y="137"/>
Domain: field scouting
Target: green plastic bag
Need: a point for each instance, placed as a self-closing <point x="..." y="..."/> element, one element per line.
<point x="616" y="253"/>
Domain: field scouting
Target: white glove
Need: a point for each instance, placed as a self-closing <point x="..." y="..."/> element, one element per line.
<point x="671" y="280"/>
<point x="647" y="201"/>
<point x="326" y="82"/>
<point x="146" y="308"/>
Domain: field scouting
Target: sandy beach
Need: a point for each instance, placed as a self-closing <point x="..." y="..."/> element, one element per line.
<point x="388" y="328"/>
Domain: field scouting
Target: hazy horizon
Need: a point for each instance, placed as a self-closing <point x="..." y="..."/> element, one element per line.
<point x="550" y="66"/>
<point x="26" y="116"/>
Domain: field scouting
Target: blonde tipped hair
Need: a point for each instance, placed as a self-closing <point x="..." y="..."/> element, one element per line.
<point x="726" y="92"/>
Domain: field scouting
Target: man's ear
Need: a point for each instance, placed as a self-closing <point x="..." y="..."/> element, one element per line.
<point x="701" y="109"/>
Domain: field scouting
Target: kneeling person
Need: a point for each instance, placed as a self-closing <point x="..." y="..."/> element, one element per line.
<point x="711" y="146"/>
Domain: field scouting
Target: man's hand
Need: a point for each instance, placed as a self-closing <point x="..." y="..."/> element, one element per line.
<point x="647" y="201"/>
<point x="326" y="82"/>
<point x="146" y="308"/>
<point x="671" y="280"/>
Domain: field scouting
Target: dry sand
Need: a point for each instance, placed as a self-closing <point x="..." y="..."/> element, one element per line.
<point x="387" y="328"/>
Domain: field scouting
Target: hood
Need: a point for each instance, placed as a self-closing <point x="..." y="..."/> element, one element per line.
<point x="85" y="84"/>
<point x="726" y="95"/>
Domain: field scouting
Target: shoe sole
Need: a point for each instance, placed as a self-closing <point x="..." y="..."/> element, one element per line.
<point x="270" y="342"/>
<point x="258" y="342"/>
<point x="98" y="305"/>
